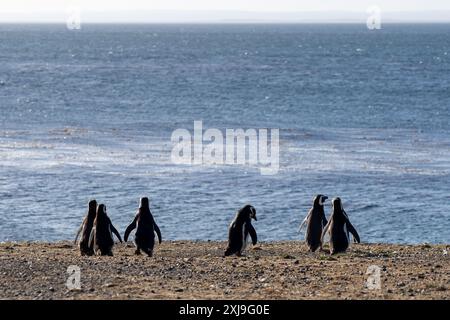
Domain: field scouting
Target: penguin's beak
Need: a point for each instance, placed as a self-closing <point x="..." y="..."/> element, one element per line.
<point x="254" y="217"/>
<point x="322" y="200"/>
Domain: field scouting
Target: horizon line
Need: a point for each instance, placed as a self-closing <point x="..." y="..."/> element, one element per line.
<point x="133" y="16"/>
<point x="411" y="22"/>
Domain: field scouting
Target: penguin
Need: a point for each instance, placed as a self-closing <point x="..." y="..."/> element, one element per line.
<point x="339" y="227"/>
<point x="144" y="237"/>
<point x="239" y="230"/>
<point x="315" y="222"/>
<point x="85" y="230"/>
<point x="101" y="238"/>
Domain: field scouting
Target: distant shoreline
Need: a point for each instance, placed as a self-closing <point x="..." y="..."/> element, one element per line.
<point x="197" y="270"/>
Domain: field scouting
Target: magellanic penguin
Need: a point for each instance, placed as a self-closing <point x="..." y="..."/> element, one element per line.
<point x="86" y="229"/>
<point x="315" y="222"/>
<point x="101" y="238"/>
<point x="339" y="227"/>
<point x="146" y="227"/>
<point x="239" y="230"/>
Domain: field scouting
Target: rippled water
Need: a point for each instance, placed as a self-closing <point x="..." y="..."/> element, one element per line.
<point x="362" y="114"/>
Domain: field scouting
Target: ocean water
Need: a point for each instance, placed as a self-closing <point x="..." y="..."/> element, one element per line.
<point x="362" y="114"/>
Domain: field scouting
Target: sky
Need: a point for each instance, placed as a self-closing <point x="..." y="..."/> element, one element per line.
<point x="221" y="10"/>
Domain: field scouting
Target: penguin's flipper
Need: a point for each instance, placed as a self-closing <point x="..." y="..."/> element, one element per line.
<point x="345" y="214"/>
<point x="305" y="220"/>
<point x="91" y="238"/>
<point x="130" y="228"/>
<point x="325" y="230"/>
<point x="252" y="233"/>
<point x="324" y="221"/>
<point x="353" y="231"/>
<point x="114" y="230"/>
<point x="78" y="232"/>
<point x="158" y="232"/>
<point x="302" y="224"/>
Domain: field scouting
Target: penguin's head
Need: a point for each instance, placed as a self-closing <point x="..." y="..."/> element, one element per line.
<point x="92" y="205"/>
<point x="336" y="202"/>
<point x="101" y="210"/>
<point x="337" y="205"/>
<point x="250" y="210"/>
<point x="253" y="213"/>
<point x="319" y="200"/>
<point x="144" y="202"/>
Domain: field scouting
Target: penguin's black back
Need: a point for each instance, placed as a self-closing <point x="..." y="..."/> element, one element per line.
<point x="339" y="238"/>
<point x="103" y="235"/>
<point x="315" y="227"/>
<point x="236" y="235"/>
<point x="85" y="235"/>
<point x="237" y="232"/>
<point x="88" y="223"/>
<point x="145" y="230"/>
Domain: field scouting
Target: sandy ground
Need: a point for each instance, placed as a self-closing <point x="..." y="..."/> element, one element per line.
<point x="197" y="270"/>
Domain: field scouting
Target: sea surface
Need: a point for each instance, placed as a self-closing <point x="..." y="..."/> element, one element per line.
<point x="363" y="115"/>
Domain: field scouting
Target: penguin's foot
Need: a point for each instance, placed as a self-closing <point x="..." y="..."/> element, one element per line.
<point x="148" y="252"/>
<point x="324" y="250"/>
<point x="108" y="253"/>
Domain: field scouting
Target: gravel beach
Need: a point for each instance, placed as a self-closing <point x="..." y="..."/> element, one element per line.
<point x="197" y="270"/>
